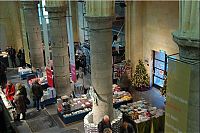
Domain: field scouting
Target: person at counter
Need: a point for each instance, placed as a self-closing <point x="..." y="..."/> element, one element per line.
<point x="10" y="92"/>
<point x="105" y="123"/>
<point x="12" y="54"/>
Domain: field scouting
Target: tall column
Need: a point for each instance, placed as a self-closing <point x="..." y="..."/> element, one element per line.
<point x="24" y="38"/>
<point x="134" y="34"/>
<point x="58" y="33"/>
<point x="74" y="11"/>
<point x="187" y="38"/>
<point x="33" y="33"/>
<point x="99" y="17"/>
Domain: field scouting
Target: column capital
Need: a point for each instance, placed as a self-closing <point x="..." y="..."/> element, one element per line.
<point x="56" y="6"/>
<point x="100" y="8"/>
<point x="99" y="23"/>
<point x="188" y="49"/>
<point x="29" y="4"/>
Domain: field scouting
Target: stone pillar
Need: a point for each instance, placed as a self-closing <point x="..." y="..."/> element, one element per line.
<point x="74" y="10"/>
<point x="33" y="33"/>
<point x="100" y="34"/>
<point x="188" y="39"/>
<point x="134" y="31"/>
<point x="10" y="24"/>
<point x="58" y="33"/>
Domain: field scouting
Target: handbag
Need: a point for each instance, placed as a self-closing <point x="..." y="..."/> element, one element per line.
<point x="27" y="101"/>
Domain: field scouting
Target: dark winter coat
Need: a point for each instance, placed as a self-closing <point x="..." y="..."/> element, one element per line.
<point x="19" y="101"/>
<point x="23" y="91"/>
<point x="102" y="125"/>
<point x="37" y="90"/>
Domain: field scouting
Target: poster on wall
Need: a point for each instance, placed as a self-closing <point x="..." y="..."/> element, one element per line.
<point x="49" y="76"/>
<point x="177" y="97"/>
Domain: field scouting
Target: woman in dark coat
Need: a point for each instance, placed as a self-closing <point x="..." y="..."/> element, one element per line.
<point x="20" y="103"/>
<point x="22" y="89"/>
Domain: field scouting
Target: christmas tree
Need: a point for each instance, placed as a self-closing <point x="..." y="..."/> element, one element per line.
<point x="140" y="78"/>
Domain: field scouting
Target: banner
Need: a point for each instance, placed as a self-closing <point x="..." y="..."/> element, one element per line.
<point x="49" y="76"/>
<point x="71" y="43"/>
<point x="178" y="84"/>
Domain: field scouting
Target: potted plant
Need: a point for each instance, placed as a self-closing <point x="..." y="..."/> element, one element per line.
<point x="140" y="79"/>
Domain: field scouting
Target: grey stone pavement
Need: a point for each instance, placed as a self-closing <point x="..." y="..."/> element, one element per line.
<point x="47" y="120"/>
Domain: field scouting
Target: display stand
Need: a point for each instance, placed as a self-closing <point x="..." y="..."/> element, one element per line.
<point x="73" y="118"/>
<point x="49" y="97"/>
<point x="143" y="116"/>
<point x="24" y="72"/>
<point x="118" y="104"/>
<point x="5" y="101"/>
<point x="48" y="102"/>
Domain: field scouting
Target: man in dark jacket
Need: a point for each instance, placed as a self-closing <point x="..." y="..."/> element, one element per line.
<point x="37" y="93"/>
<point x="105" y="123"/>
<point x="12" y="54"/>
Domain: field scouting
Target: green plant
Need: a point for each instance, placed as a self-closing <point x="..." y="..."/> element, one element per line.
<point x="140" y="78"/>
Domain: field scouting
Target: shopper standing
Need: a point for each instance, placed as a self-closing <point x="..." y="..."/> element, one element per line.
<point x="20" y="103"/>
<point x="21" y="58"/>
<point x="12" y="54"/>
<point x="22" y="89"/>
<point x="10" y="92"/>
<point x="37" y="93"/>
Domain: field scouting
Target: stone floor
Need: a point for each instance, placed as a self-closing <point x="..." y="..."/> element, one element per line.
<point x="47" y="120"/>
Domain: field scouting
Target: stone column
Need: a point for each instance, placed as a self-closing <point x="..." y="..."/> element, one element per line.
<point x="100" y="34"/>
<point x="33" y="33"/>
<point x="134" y="32"/>
<point x="58" y="33"/>
<point x="187" y="38"/>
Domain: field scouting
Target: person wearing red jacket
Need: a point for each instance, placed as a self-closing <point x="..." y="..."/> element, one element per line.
<point x="10" y="92"/>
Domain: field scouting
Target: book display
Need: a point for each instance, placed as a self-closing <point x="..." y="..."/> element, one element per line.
<point x="5" y="101"/>
<point x="142" y="115"/>
<point x="49" y="96"/>
<point x="120" y="97"/>
<point x="42" y="81"/>
<point x="73" y="109"/>
<point x="24" y="72"/>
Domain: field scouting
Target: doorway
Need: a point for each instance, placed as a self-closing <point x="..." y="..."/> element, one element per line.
<point x="159" y="68"/>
